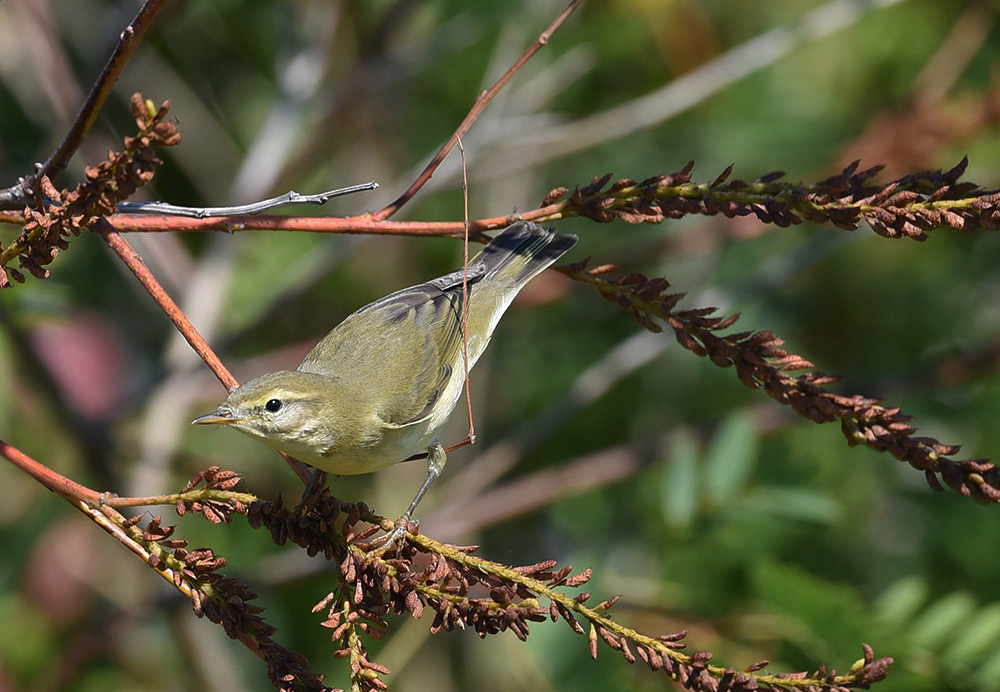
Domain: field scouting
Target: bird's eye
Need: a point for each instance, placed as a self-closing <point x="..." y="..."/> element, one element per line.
<point x="274" y="405"/>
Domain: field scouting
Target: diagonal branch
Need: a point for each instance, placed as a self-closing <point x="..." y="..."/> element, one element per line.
<point x="193" y="572"/>
<point x="760" y="362"/>
<point x="135" y="264"/>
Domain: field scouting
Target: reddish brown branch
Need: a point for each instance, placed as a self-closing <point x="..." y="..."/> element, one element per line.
<point x="477" y="108"/>
<point x="135" y="264"/>
<point x="365" y="224"/>
<point x="192" y="572"/>
<point x="154" y="223"/>
<point x="362" y="225"/>
<point x="47" y="477"/>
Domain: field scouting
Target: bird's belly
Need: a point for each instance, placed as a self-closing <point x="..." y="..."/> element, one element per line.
<point x="392" y="447"/>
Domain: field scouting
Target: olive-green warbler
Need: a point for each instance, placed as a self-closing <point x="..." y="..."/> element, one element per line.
<point x="380" y="386"/>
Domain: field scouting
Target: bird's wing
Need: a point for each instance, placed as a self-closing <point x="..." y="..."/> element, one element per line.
<point x="409" y="344"/>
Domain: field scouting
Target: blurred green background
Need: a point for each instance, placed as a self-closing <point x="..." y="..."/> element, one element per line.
<point x="709" y="506"/>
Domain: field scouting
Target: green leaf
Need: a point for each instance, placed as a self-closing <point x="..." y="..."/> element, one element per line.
<point x="900" y="602"/>
<point x="27" y="640"/>
<point x="680" y="490"/>
<point x="976" y="639"/>
<point x="940" y="619"/>
<point x="800" y="504"/>
<point x="730" y="458"/>
<point x="988" y="676"/>
<point x="819" y="616"/>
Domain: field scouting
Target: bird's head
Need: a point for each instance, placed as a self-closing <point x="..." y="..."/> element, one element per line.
<point x="289" y="410"/>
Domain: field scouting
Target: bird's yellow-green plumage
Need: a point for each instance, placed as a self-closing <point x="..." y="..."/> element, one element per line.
<point x="380" y="386"/>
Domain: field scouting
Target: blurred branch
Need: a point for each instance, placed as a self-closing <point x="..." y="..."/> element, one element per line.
<point x="16" y="196"/>
<point x="537" y="490"/>
<point x="468" y="492"/>
<point x="52" y="68"/>
<point x="694" y="87"/>
<point x="929" y="123"/>
<point x="966" y="38"/>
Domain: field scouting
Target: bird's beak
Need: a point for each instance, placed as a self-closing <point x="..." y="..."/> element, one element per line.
<point x="221" y="417"/>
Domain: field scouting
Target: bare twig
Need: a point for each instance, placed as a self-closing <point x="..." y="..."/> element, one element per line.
<point x="471" y="437"/>
<point x="152" y="223"/>
<point x="291" y="197"/>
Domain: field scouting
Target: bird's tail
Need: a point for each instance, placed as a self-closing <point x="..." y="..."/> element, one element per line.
<point x="519" y="253"/>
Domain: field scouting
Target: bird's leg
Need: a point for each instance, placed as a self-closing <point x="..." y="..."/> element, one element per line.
<point x="436" y="459"/>
<point x="314" y="489"/>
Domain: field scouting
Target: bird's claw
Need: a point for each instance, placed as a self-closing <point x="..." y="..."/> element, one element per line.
<point x="392" y="540"/>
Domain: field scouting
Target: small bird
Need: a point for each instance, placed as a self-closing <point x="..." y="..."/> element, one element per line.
<point x="379" y="388"/>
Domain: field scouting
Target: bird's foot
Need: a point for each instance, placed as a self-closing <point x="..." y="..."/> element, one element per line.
<point x="392" y="540"/>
